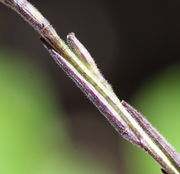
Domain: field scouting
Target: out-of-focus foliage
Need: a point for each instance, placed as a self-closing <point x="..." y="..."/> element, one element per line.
<point x="33" y="134"/>
<point x="159" y="100"/>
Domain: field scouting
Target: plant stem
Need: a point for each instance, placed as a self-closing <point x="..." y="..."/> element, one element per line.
<point x="75" y="60"/>
<point x="154" y="134"/>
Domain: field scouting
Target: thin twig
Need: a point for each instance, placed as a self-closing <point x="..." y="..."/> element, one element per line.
<point x="78" y="64"/>
<point x="154" y="134"/>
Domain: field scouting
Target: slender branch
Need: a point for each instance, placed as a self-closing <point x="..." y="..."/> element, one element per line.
<point x="154" y="134"/>
<point x="75" y="60"/>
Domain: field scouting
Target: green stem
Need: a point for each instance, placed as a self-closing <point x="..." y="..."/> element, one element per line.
<point x="78" y="64"/>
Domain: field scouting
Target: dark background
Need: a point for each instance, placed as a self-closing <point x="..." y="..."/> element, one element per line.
<point x="130" y="41"/>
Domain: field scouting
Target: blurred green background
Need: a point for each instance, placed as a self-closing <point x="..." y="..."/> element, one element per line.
<point x="46" y="124"/>
<point x="33" y="134"/>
